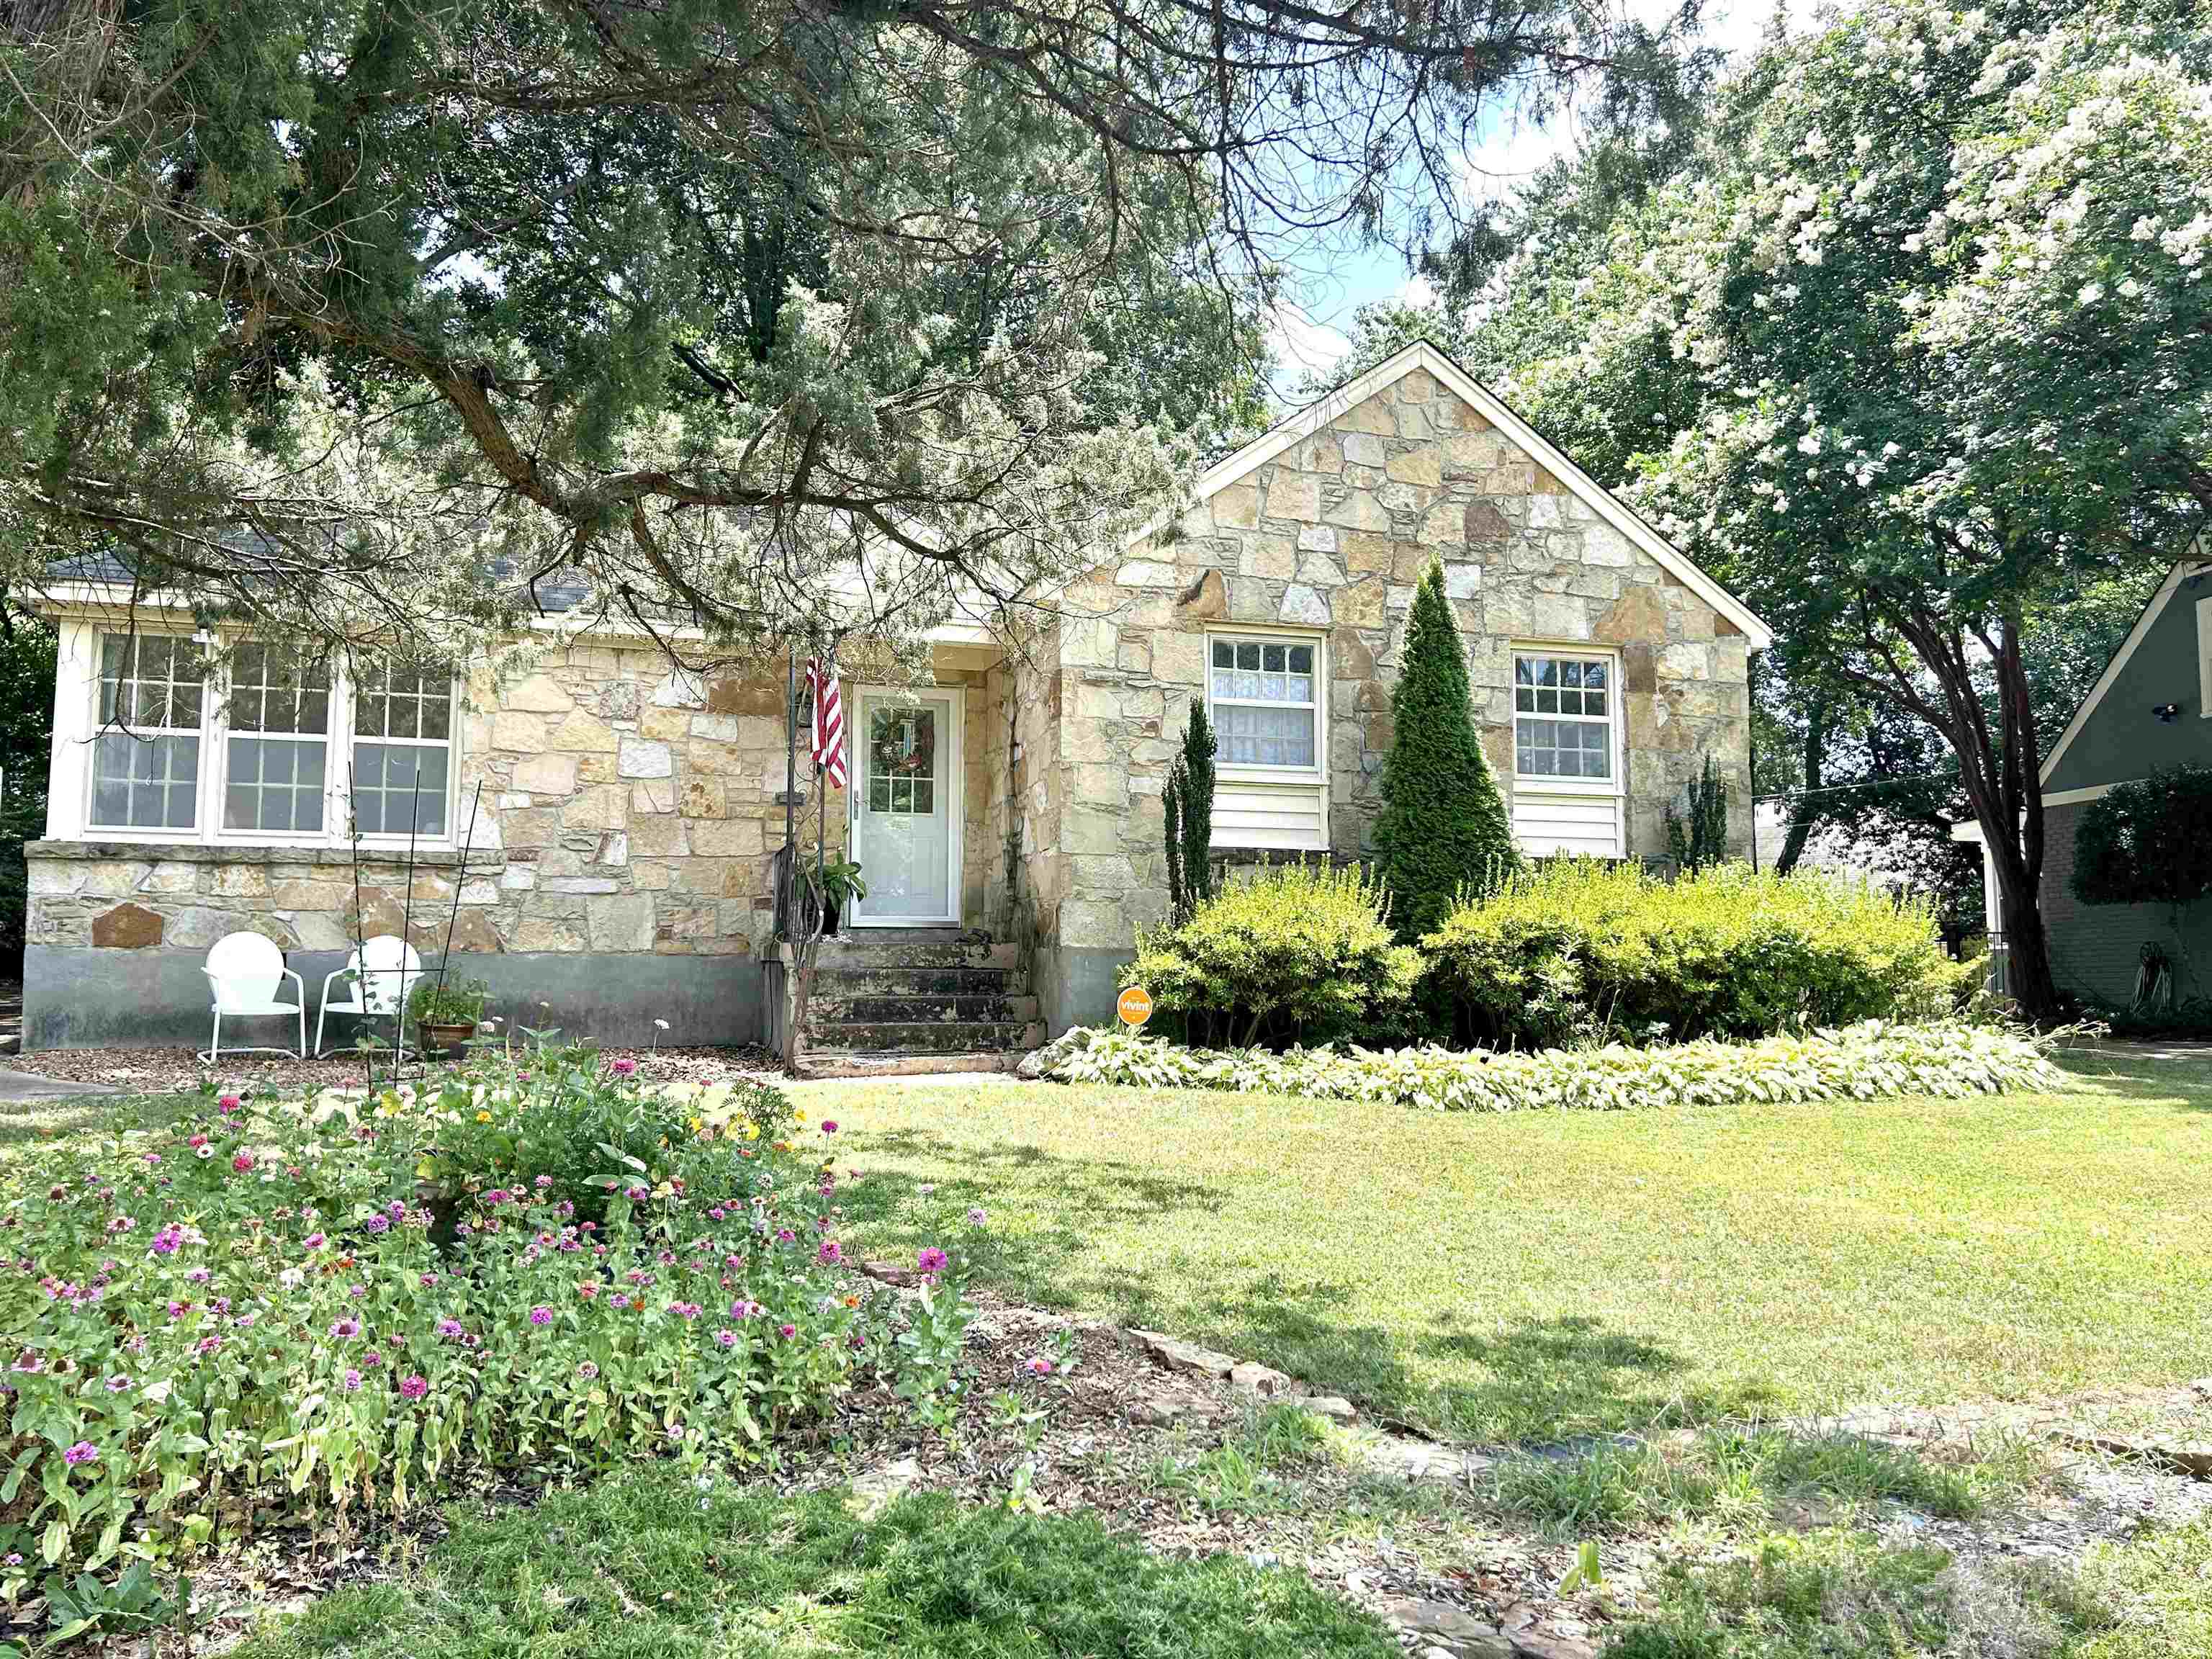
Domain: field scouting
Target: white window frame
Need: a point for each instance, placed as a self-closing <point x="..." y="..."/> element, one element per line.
<point x="1541" y="783"/>
<point x="451" y="743"/>
<point x="1259" y="772"/>
<point x="97" y="728"/>
<point x="217" y="775"/>
<point x="76" y="728"/>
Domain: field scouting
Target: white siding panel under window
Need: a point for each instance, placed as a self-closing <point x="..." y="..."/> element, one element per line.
<point x="1292" y="816"/>
<point x="1566" y="824"/>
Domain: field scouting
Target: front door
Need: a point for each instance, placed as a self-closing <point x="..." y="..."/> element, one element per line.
<point x="905" y="805"/>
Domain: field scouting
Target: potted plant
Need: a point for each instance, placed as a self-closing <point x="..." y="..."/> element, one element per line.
<point x="446" y="1014"/>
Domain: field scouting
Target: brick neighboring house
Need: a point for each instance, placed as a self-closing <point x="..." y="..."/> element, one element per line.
<point x="620" y="868"/>
<point x="2150" y="709"/>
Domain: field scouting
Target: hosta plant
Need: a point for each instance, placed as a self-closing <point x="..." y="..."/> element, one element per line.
<point x="308" y="1309"/>
<point x="1950" y="1061"/>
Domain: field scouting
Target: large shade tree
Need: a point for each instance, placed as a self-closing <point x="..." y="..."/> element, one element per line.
<point x="1915" y="353"/>
<point x="753" y="315"/>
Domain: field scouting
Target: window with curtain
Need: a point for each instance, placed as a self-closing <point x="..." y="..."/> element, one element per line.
<point x="146" y="756"/>
<point x="402" y="749"/>
<point x="1563" y="710"/>
<point x="1265" y="701"/>
<point x="278" y="744"/>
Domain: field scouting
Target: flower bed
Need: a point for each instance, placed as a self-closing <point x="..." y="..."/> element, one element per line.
<point x="332" y="1304"/>
<point x="1866" y="1061"/>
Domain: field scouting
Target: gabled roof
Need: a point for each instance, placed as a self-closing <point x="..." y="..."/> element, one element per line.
<point x="2194" y="559"/>
<point x="1422" y="354"/>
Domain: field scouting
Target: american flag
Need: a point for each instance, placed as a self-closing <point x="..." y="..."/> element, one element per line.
<point x="827" y="743"/>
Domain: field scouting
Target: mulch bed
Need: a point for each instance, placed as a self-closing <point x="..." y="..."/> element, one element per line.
<point x="162" y="1070"/>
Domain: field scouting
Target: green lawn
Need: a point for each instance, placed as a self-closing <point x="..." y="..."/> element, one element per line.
<point x="1538" y="1274"/>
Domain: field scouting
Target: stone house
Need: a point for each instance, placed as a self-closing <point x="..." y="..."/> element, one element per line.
<point x="598" y="834"/>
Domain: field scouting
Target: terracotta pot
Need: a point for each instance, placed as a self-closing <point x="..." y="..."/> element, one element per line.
<point x="445" y="1039"/>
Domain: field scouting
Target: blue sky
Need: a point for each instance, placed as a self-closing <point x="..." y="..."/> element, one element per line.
<point x="1326" y="288"/>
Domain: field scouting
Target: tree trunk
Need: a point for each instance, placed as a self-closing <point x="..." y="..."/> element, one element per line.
<point x="1803" y="820"/>
<point x="1997" y="770"/>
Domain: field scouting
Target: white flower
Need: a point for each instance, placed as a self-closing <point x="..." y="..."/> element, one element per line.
<point x="2090" y="293"/>
<point x="1810" y="444"/>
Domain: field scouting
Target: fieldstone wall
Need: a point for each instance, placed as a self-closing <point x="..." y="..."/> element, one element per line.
<point x="1332" y="535"/>
<point x="625" y="808"/>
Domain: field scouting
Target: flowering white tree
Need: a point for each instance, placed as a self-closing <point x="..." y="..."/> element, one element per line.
<point x="1916" y="347"/>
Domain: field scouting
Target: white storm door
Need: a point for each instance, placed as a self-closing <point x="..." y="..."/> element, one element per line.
<point x="906" y="815"/>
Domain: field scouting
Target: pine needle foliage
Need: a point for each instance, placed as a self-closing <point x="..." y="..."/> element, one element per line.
<point x="1442" y="830"/>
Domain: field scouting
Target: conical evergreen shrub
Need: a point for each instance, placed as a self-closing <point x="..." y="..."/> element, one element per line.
<point x="1443" y="825"/>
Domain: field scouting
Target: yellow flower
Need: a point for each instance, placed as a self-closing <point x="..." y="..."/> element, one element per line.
<point x="483" y="1117"/>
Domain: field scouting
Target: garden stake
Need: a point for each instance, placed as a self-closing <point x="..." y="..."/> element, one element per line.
<point x="453" y="912"/>
<point x="406" y="930"/>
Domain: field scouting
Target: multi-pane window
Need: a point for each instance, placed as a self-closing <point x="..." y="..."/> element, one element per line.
<point x="403" y="725"/>
<point x="1265" y="695"/>
<point x="1563" y="717"/>
<point x="902" y="761"/>
<point x="278" y="747"/>
<point x="146" y="753"/>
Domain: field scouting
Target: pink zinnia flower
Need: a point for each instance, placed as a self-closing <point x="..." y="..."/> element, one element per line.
<point x="830" y="1253"/>
<point x="588" y="1371"/>
<point x="353" y="1381"/>
<point x="378" y="1223"/>
<point x="1041" y="1366"/>
<point x="118" y="1383"/>
<point x="828" y="1125"/>
<point x="976" y="1218"/>
<point x="541" y="1315"/>
<point x="790" y="1330"/>
<point x="83" y="1452"/>
<point x="414" y="1388"/>
<point x="931" y="1260"/>
<point x="725" y="1338"/>
<point x="345" y="1329"/>
<point x="313" y="1241"/>
<point x="623" y="1069"/>
<point x="449" y="1328"/>
<point x="228" y="1103"/>
<point x="243" y="1161"/>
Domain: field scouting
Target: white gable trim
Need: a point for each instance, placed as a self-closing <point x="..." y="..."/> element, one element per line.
<point x="2187" y="564"/>
<point x="1421" y="355"/>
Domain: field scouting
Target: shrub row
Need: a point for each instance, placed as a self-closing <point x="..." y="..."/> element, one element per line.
<point x="1573" y="950"/>
<point x="291" y="1307"/>
<point x="1868" y="1061"/>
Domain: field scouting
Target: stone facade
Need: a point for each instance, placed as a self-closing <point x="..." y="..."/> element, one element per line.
<point x="1332" y="535"/>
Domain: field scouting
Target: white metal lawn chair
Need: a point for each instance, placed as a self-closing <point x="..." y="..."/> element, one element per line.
<point x="382" y="973"/>
<point x="245" y="971"/>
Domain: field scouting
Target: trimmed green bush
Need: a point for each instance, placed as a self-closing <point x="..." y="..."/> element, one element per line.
<point x="1576" y="949"/>
<point x="1443" y="830"/>
<point x="2147" y="842"/>
<point x="1297" y="953"/>
<point x="1870" y="1061"/>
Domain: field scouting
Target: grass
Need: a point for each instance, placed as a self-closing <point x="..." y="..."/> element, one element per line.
<point x="1834" y="1592"/>
<point x="1746" y="1475"/>
<point x="645" y="1567"/>
<point x="1536" y="1276"/>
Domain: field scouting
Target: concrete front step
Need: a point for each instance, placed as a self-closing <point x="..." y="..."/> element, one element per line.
<point x="915" y="1010"/>
<point x="962" y="982"/>
<point x="913" y="947"/>
<point x="850" y="1063"/>
<point x="931" y="1037"/>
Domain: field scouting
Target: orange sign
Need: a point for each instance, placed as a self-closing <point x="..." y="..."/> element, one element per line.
<point x="1135" y="1005"/>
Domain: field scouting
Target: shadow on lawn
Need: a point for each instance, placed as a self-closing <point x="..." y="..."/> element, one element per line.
<point x="26" y="1123"/>
<point x="2186" y="1083"/>
<point x="1541" y="1380"/>
<point x="1047" y="1263"/>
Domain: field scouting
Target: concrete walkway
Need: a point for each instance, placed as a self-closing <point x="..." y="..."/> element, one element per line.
<point x="27" y="1085"/>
